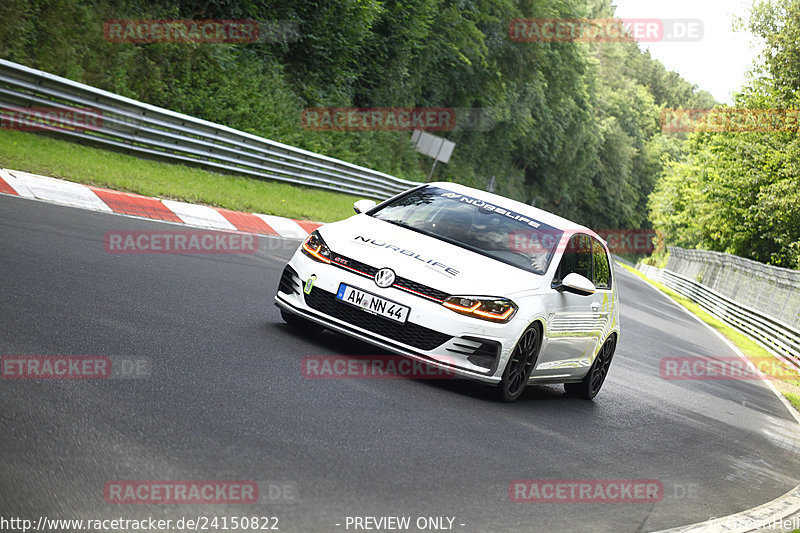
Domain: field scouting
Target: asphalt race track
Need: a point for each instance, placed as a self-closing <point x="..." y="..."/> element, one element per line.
<point x="224" y="399"/>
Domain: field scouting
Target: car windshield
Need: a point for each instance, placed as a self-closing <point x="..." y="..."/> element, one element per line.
<point x="479" y="226"/>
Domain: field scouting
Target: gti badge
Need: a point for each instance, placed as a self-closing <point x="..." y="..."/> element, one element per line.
<point x="384" y="277"/>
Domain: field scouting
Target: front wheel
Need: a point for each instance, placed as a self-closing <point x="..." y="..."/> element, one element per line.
<point x="591" y="384"/>
<point x="520" y="365"/>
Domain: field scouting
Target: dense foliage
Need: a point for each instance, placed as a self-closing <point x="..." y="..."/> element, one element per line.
<point x="571" y="127"/>
<point x="739" y="191"/>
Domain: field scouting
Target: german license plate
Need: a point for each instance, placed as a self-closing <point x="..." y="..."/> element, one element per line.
<point x="372" y="303"/>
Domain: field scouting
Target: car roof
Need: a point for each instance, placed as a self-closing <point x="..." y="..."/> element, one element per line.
<point x="535" y="213"/>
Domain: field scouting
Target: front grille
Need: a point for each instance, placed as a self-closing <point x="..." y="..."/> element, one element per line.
<point x="403" y="284"/>
<point x="351" y="264"/>
<point x="290" y="281"/>
<point x="408" y="333"/>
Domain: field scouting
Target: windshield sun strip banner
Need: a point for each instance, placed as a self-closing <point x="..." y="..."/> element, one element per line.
<point x="513" y="215"/>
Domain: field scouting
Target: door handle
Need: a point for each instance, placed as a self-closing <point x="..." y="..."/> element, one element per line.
<point x="595" y="306"/>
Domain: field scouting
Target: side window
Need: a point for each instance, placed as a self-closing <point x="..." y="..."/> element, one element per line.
<point x="602" y="270"/>
<point x="577" y="258"/>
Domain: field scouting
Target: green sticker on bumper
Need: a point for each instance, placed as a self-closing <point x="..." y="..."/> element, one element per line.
<point x="309" y="284"/>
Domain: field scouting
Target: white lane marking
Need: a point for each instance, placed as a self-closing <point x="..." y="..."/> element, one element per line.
<point x="15" y="183"/>
<point x="284" y="226"/>
<point x="774" y="511"/>
<point x="199" y="215"/>
<point x="763" y="517"/>
<point x="59" y="191"/>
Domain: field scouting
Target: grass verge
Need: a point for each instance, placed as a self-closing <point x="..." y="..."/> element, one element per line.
<point x="45" y="155"/>
<point x="794" y="399"/>
<point x="790" y="388"/>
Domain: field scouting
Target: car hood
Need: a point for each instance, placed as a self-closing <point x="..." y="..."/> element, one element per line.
<point x="425" y="259"/>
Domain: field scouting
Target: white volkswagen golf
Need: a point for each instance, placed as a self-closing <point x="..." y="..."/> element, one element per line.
<point x="475" y="284"/>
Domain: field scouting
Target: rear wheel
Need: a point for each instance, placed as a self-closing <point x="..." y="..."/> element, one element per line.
<point x="301" y="323"/>
<point x="591" y="384"/>
<point x="520" y="365"/>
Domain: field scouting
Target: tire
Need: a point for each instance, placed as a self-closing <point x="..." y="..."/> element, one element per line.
<point x="301" y="323"/>
<point x="591" y="384"/>
<point x="520" y="365"/>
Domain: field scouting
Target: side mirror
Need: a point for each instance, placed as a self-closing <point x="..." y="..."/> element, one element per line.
<point x="364" y="205"/>
<point x="576" y="284"/>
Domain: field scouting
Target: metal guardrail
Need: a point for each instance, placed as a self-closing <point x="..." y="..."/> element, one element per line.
<point x="771" y="290"/>
<point x="145" y="130"/>
<point x="776" y="335"/>
<point x="656" y="274"/>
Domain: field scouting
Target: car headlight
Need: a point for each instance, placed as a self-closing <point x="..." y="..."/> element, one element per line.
<point x="492" y="309"/>
<point x="315" y="248"/>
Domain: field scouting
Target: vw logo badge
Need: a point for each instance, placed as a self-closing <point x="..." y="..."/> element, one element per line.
<point x="384" y="277"/>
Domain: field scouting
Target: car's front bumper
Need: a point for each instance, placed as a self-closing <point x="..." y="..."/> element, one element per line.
<point x="461" y="346"/>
